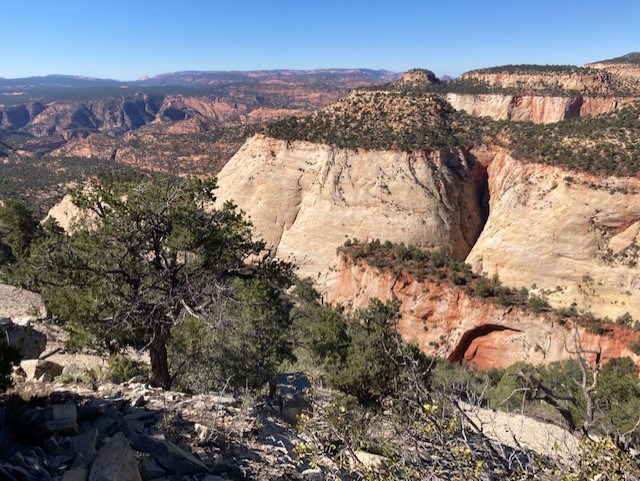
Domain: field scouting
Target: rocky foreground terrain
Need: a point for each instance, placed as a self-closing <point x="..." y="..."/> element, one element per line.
<point x="59" y="423"/>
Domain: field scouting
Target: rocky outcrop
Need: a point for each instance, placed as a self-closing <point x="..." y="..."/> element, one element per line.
<point x="587" y="81"/>
<point x="631" y="70"/>
<point x="19" y="305"/>
<point x="306" y="199"/>
<point x="71" y="432"/>
<point x="30" y="342"/>
<point x="540" y="109"/>
<point x="67" y="214"/>
<point x="575" y="235"/>
<point x="444" y="320"/>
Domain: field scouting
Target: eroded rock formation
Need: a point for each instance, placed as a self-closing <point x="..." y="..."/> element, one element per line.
<point x="540" y="109"/>
<point x="442" y="319"/>
<point x="306" y="199"/>
<point x="574" y="234"/>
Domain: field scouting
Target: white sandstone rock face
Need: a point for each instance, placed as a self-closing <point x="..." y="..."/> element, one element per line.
<point x="305" y="200"/>
<point x="533" y="108"/>
<point x="67" y="214"/>
<point x="555" y="228"/>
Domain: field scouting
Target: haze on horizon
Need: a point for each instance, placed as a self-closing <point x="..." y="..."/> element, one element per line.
<point x="128" y="40"/>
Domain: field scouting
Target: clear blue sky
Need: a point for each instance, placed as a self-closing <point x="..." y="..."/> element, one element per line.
<point x="128" y="39"/>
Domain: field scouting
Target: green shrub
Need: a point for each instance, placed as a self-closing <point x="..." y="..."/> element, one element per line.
<point x="243" y="348"/>
<point x="123" y="369"/>
<point x="368" y="373"/>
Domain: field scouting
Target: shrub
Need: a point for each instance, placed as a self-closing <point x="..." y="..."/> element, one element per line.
<point x="367" y="372"/>
<point x="123" y="369"/>
<point x="243" y="348"/>
<point x="625" y="320"/>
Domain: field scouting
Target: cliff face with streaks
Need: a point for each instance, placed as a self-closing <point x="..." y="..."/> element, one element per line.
<point x="306" y="199"/>
<point x="528" y="79"/>
<point x="574" y="234"/>
<point x="533" y="108"/>
<point x="444" y="320"/>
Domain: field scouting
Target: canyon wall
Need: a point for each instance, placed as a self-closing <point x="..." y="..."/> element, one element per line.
<point x="574" y="234"/>
<point x="306" y="199"/>
<point x="631" y="70"/>
<point x="534" y="108"/>
<point x="116" y="114"/>
<point x="581" y="80"/>
<point x="444" y="320"/>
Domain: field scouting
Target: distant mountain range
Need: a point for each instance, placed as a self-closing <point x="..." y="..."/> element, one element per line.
<point x="50" y="87"/>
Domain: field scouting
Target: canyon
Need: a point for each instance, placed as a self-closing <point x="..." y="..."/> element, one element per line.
<point x="567" y="235"/>
<point x="572" y="237"/>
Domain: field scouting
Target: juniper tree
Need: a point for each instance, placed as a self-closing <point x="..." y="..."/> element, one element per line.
<point x="150" y="252"/>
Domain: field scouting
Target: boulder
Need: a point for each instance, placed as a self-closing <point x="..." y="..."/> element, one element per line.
<point x="85" y="444"/>
<point x="61" y="419"/>
<point x="116" y="461"/>
<point x="166" y="454"/>
<point x="31" y="343"/>
<point x="371" y="460"/>
<point x="288" y="393"/>
<point x="36" y="369"/>
<point x="20" y="305"/>
<point x="76" y="474"/>
<point x="313" y="474"/>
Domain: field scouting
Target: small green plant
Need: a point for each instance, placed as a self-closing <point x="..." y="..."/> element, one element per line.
<point x="123" y="369"/>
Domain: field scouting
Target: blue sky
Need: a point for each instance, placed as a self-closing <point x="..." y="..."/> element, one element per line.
<point x="128" y="39"/>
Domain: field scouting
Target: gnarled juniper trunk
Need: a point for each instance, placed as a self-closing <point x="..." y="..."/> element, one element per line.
<point x="159" y="363"/>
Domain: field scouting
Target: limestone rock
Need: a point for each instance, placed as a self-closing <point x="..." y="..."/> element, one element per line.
<point x="76" y="474"/>
<point x="61" y="419"/>
<point x="115" y="462"/>
<point x="371" y="460"/>
<point x="31" y="343"/>
<point x="85" y="444"/>
<point x="166" y="454"/>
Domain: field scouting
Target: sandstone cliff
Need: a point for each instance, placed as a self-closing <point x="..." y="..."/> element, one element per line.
<point x="621" y="69"/>
<point x="555" y="228"/>
<point x="576" y="236"/>
<point x="444" y="320"/>
<point x="543" y="78"/>
<point x="540" y="109"/>
<point x="306" y="199"/>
